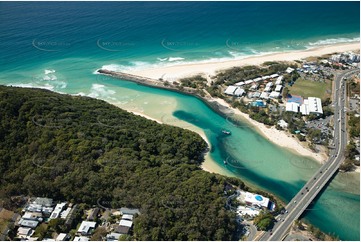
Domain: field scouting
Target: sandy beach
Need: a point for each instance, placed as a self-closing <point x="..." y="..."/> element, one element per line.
<point x="171" y="73"/>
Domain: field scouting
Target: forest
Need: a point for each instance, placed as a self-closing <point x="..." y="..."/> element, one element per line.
<point x="85" y="150"/>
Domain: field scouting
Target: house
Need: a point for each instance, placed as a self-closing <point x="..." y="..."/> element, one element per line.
<point x="43" y="201"/>
<point x="264" y="95"/>
<point x="86" y="227"/>
<point x="289" y="70"/>
<point x="81" y="238"/>
<point x="57" y="210"/>
<point x="121" y="229"/>
<point x="282" y="123"/>
<point x="93" y="214"/>
<point x="47" y="210"/>
<point x="128" y="217"/>
<point x="24" y="232"/>
<point x="254" y="86"/>
<point x="239" y="84"/>
<point x="65" y="213"/>
<point x="230" y="90"/>
<point x="28" y="223"/>
<point x="62" y="237"/>
<point x="274" y="94"/>
<point x="239" y="92"/>
<point x="270" y="84"/>
<point x="129" y="211"/>
<point x="278" y="88"/>
<point x="126" y="223"/>
<point x="113" y="236"/>
<point x="267" y="89"/>
<point x="274" y="75"/>
<point x="292" y="107"/>
<point x="279" y="80"/>
<point x="32" y="216"/>
<point x="248" y="82"/>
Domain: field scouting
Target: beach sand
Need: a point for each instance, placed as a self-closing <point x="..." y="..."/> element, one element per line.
<point x="171" y="73"/>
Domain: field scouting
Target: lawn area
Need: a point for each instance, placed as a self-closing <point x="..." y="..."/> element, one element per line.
<point x="307" y="88"/>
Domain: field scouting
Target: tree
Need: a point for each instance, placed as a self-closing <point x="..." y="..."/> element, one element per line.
<point x="285" y="92"/>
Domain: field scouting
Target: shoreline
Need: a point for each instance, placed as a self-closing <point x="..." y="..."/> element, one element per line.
<point x="173" y="72"/>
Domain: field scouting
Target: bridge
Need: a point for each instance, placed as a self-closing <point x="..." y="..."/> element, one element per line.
<point x="324" y="174"/>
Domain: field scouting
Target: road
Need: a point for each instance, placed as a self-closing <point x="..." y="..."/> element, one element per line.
<point x="310" y="190"/>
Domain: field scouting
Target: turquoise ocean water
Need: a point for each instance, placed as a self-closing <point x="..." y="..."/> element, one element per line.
<point x="58" y="46"/>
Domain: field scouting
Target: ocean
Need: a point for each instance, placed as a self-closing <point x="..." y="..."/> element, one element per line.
<point x="59" y="46"/>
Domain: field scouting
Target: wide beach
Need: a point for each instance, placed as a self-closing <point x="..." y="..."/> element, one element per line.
<point x="173" y="72"/>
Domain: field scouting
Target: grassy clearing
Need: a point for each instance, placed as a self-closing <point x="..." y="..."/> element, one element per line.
<point x="307" y="88"/>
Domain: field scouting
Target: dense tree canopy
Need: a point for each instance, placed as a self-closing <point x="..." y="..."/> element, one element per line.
<point x="88" y="151"/>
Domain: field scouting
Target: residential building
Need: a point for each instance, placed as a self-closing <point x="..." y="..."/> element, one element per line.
<point x="274" y="94"/>
<point x="62" y="237"/>
<point x="239" y="92"/>
<point x="258" y="79"/>
<point x="128" y="217"/>
<point x="126" y="223"/>
<point x="129" y="211"/>
<point x="86" y="227"/>
<point x="113" y="236"/>
<point x="279" y="80"/>
<point x="278" y="88"/>
<point x="264" y="95"/>
<point x="93" y="214"/>
<point x="28" y="223"/>
<point x="289" y="70"/>
<point x="282" y="123"/>
<point x="230" y="90"/>
<point x="239" y="84"/>
<point x="57" y="210"/>
<point x="24" y="232"/>
<point x="81" y="238"/>
<point x="274" y="75"/>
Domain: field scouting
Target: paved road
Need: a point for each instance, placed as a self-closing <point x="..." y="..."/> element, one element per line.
<point x="310" y="190"/>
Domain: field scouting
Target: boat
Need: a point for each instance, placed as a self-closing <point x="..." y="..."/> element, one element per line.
<point x="225" y="162"/>
<point x="226" y="132"/>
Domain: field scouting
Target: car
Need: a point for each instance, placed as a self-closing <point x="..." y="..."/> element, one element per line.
<point x="271" y="233"/>
<point x="283" y="220"/>
<point x="286" y="211"/>
<point x="301" y="193"/>
<point x="320" y="171"/>
<point x="294" y="201"/>
<point x="314" y="178"/>
<point x="317" y="187"/>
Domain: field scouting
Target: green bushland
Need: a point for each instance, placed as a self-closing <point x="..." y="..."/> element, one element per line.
<point x="85" y="150"/>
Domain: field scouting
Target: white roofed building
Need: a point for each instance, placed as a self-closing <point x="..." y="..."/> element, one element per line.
<point x="239" y="84"/>
<point x="274" y="75"/>
<point x="278" y="88"/>
<point x="239" y="92"/>
<point x="267" y="89"/>
<point x="282" y="123"/>
<point x="126" y="223"/>
<point x="86" y="227"/>
<point x="292" y="107"/>
<point x="289" y="70"/>
<point x="258" y="79"/>
<point x="274" y="94"/>
<point x="264" y="95"/>
<point x="230" y="90"/>
<point x="248" y="82"/>
<point x="279" y="80"/>
<point x="312" y="105"/>
<point x="254" y="86"/>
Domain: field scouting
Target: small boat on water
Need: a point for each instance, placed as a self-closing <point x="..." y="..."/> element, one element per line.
<point x="226" y="132"/>
<point x="225" y="162"/>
